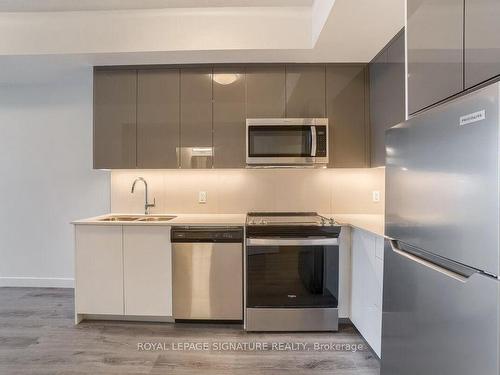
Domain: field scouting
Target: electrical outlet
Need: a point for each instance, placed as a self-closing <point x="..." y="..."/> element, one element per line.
<point x="202" y="197"/>
<point x="376" y="196"/>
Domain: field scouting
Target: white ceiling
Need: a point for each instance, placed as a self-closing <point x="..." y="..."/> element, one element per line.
<point x="353" y="31"/>
<point x="78" y="5"/>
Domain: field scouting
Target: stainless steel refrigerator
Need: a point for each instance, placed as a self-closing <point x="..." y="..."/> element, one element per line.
<point x="441" y="305"/>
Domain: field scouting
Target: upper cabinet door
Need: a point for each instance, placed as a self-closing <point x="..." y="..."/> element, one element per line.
<point x="196" y="118"/>
<point x="387" y="95"/>
<point x="347" y="104"/>
<point x="115" y="94"/>
<point x="435" y="51"/>
<point x="396" y="62"/>
<point x="482" y="41"/>
<point x="158" y="118"/>
<point x="380" y="104"/>
<point x="265" y="91"/>
<point x="305" y="91"/>
<point x="229" y="117"/>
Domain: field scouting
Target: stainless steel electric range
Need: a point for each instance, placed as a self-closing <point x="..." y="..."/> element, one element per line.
<point x="292" y="272"/>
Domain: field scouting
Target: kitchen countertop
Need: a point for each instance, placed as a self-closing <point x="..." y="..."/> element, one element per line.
<point x="370" y="223"/>
<point x="179" y="220"/>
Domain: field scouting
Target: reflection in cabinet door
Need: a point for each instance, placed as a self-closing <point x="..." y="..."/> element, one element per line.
<point x="305" y="91"/>
<point x="229" y="117"/>
<point x="196" y="118"/>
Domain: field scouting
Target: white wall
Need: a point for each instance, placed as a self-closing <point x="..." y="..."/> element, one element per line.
<point x="46" y="178"/>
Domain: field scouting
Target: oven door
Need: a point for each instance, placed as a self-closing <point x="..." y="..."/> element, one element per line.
<point x="292" y="273"/>
<point x="281" y="144"/>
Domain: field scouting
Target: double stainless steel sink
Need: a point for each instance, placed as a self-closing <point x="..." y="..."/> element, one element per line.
<point x="137" y="218"/>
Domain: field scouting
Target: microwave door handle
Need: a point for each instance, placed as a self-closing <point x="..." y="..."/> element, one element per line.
<point x="314" y="141"/>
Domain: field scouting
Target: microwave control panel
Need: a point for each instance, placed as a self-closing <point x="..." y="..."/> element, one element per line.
<point x="321" y="141"/>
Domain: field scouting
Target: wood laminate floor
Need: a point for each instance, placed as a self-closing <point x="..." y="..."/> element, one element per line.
<point x="37" y="336"/>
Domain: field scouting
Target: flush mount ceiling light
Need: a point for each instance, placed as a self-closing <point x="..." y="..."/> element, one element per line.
<point x="226" y="78"/>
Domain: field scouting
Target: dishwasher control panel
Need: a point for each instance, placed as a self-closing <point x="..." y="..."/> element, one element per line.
<point x="207" y="234"/>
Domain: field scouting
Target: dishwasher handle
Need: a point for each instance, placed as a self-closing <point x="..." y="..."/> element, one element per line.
<point x="326" y="241"/>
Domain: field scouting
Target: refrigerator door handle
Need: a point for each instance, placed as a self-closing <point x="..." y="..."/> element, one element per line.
<point x="447" y="272"/>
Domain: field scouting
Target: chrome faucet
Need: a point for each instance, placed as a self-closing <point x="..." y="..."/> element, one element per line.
<point x="146" y="204"/>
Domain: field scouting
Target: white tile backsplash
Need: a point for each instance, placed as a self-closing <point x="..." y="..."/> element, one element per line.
<point x="243" y="190"/>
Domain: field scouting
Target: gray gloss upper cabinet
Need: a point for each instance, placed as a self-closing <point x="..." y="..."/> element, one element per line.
<point x="265" y="91"/>
<point x="305" y="91"/>
<point x="347" y="104"/>
<point x="387" y="95"/>
<point x="435" y="51"/>
<point x="196" y="118"/>
<point x="482" y="41"/>
<point x="229" y="117"/>
<point x="115" y="119"/>
<point x="158" y="118"/>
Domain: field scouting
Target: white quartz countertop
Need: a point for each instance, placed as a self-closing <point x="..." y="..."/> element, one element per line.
<point x="179" y="220"/>
<point x="370" y="223"/>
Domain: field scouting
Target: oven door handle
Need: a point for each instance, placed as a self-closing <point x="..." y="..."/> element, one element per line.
<point x="292" y="241"/>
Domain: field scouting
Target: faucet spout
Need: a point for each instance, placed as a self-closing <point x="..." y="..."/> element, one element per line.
<point x="147" y="205"/>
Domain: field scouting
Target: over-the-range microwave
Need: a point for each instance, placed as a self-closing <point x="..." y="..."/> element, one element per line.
<point x="282" y="142"/>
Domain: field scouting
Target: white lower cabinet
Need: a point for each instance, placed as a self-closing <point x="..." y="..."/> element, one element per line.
<point x="99" y="269"/>
<point x="147" y="263"/>
<point x="123" y="270"/>
<point x="366" y="285"/>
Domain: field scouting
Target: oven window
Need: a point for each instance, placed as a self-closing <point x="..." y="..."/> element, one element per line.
<point x="286" y="141"/>
<point x="292" y="276"/>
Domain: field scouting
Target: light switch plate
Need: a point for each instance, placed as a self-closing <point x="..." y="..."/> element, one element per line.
<point x="376" y="195"/>
<point x="202" y="197"/>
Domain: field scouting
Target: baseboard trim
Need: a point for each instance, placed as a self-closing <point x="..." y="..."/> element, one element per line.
<point x="125" y="318"/>
<point x="37" y="282"/>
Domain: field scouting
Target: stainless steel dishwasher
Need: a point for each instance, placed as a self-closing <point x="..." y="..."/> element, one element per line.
<point x="207" y="273"/>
